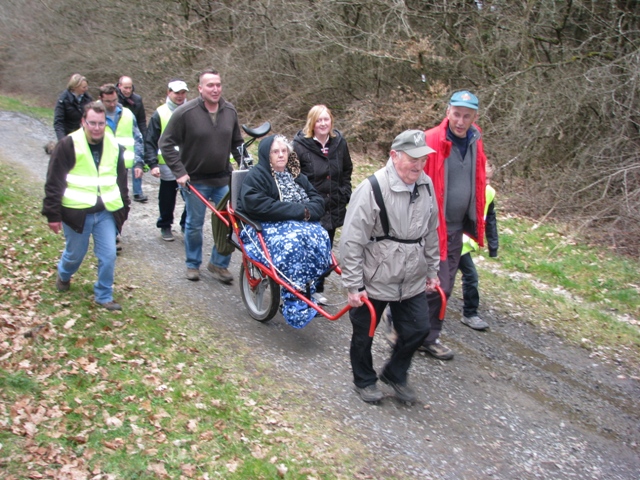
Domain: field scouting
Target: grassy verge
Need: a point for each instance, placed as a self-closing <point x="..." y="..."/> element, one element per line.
<point x="26" y="106"/>
<point x="89" y="393"/>
<point x="583" y="293"/>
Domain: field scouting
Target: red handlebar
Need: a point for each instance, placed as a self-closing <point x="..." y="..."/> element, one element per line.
<point x="443" y="305"/>
<point x="211" y="207"/>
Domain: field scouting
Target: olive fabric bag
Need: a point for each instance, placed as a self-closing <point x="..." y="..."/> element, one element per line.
<point x="220" y="231"/>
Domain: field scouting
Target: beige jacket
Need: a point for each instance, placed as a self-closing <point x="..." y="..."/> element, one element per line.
<point x="390" y="270"/>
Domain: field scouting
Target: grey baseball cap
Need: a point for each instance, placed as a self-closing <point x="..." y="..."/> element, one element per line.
<point x="413" y="143"/>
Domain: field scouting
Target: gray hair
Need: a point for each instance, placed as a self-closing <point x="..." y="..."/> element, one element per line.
<point x="282" y="139"/>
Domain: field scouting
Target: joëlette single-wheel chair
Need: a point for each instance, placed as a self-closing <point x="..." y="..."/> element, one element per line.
<point x="260" y="283"/>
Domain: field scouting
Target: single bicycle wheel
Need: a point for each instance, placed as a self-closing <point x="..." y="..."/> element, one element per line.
<point x="263" y="300"/>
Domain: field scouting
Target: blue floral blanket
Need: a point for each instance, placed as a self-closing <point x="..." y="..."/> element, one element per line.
<point x="301" y="252"/>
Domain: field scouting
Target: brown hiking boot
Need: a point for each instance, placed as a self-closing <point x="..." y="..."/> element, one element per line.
<point x="193" y="274"/>
<point x="437" y="350"/>
<point x="111" y="306"/>
<point x="221" y="274"/>
<point x="61" y="285"/>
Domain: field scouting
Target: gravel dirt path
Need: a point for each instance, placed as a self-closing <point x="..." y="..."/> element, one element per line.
<point x="514" y="403"/>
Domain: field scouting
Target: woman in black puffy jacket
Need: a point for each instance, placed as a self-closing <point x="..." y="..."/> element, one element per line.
<point x="325" y="160"/>
<point x="70" y="106"/>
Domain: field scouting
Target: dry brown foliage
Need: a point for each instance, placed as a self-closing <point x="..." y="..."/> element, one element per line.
<point x="557" y="81"/>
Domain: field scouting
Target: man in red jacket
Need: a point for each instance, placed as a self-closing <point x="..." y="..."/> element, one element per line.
<point x="457" y="169"/>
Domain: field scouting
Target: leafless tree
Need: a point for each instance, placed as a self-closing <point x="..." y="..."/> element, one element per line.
<point x="558" y="80"/>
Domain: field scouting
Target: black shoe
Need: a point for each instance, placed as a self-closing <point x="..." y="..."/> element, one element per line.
<point x="61" y="285"/>
<point x="370" y="393"/>
<point x="142" y="198"/>
<point x="403" y="391"/>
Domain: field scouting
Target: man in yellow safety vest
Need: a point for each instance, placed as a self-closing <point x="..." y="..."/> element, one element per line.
<point x="467" y="268"/>
<point x="124" y="126"/>
<point x="86" y="195"/>
<point x="176" y="96"/>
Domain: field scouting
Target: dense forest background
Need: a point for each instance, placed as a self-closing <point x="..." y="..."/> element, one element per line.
<point x="558" y="81"/>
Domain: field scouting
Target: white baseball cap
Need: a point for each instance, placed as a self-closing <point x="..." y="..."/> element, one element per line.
<point x="177" y="86"/>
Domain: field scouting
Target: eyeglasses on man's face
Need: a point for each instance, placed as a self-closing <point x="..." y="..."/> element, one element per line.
<point x="96" y="124"/>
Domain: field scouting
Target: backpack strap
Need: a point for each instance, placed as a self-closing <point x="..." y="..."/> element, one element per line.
<point x="384" y="218"/>
<point x="377" y="193"/>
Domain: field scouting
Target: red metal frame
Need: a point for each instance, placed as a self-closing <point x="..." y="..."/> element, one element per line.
<point x="220" y="215"/>
<point x="228" y="217"/>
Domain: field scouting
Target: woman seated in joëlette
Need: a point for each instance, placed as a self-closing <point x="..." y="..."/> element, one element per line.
<point x="275" y="193"/>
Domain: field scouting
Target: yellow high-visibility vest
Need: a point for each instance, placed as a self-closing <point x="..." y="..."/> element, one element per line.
<point x="85" y="182"/>
<point x="124" y="136"/>
<point x="469" y="244"/>
<point x="165" y="114"/>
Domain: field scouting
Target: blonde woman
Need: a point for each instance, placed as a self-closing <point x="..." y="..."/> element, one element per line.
<point x="70" y="106"/>
<point x="325" y="160"/>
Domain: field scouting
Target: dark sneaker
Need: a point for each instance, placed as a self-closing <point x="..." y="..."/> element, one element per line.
<point x="142" y="198"/>
<point x="370" y="393"/>
<point x="193" y="274"/>
<point x="437" y="350"/>
<point x="404" y="392"/>
<point x="61" y="285"/>
<point x="221" y="274"/>
<point x="475" y="322"/>
<point x="111" y="306"/>
<point x="167" y="236"/>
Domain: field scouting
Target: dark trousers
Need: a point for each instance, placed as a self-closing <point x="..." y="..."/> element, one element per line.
<point x="447" y="276"/>
<point x="320" y="282"/>
<point x="410" y="319"/>
<point x="167" y="204"/>
<point x="470" y="293"/>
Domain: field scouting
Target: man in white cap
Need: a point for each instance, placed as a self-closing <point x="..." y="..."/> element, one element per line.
<point x="389" y="254"/>
<point x="176" y="96"/>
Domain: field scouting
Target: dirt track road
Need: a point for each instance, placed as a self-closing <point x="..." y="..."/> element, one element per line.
<point x="514" y="403"/>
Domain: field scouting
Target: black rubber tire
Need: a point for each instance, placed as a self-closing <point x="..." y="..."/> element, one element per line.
<point x="263" y="301"/>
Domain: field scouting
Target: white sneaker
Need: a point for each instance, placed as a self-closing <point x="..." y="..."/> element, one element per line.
<point x="320" y="299"/>
<point x="475" y="322"/>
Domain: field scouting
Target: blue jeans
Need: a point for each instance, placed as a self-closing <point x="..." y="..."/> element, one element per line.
<point x="195" y="219"/>
<point x="103" y="228"/>
<point x="136" y="183"/>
